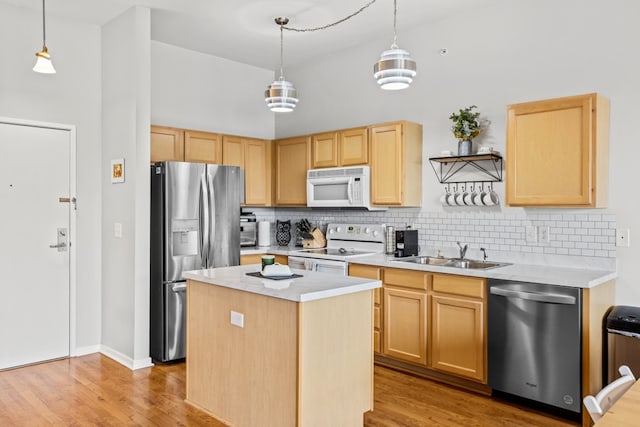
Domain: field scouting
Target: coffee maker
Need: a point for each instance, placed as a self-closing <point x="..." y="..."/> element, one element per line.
<point x="406" y="243"/>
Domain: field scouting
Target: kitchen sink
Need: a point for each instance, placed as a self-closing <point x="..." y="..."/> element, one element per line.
<point x="473" y="265"/>
<point x="427" y="260"/>
<point x="454" y="262"/>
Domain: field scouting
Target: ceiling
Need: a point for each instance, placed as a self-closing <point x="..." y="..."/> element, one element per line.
<point x="244" y="30"/>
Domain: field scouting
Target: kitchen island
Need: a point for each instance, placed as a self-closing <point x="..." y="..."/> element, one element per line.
<point x="297" y="352"/>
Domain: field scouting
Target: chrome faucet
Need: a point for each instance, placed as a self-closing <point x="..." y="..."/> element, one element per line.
<point x="484" y="254"/>
<point x="463" y="250"/>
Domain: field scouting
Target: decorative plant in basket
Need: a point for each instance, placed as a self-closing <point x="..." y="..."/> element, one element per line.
<point x="466" y="126"/>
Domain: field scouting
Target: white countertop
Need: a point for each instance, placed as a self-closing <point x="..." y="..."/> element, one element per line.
<point x="549" y="275"/>
<point x="312" y="286"/>
<point x="521" y="272"/>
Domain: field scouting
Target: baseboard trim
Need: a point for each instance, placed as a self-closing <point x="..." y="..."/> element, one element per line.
<point x="125" y="360"/>
<point x="83" y="351"/>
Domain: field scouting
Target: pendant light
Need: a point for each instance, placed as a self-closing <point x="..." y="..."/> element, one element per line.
<point x="43" y="62"/>
<point x="396" y="69"/>
<point x="281" y="95"/>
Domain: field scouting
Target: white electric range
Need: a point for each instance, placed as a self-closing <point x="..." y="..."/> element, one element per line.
<point x="344" y="242"/>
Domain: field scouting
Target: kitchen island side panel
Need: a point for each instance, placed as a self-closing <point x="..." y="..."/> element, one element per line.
<point x="336" y="360"/>
<point x="241" y="376"/>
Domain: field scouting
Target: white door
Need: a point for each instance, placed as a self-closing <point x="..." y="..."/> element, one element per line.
<point x="34" y="277"/>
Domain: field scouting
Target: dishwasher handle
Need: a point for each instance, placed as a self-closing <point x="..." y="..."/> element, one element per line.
<point x="533" y="296"/>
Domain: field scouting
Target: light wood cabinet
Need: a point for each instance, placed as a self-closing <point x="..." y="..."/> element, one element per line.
<point x="167" y="144"/>
<point x="292" y="160"/>
<point x="405" y="324"/>
<point x="257" y="259"/>
<point x="325" y="150"/>
<point x="374" y="273"/>
<point x="254" y="157"/>
<point x="292" y="363"/>
<point x="396" y="164"/>
<point x="354" y="146"/>
<point x="346" y="147"/>
<point x="557" y="152"/>
<point x="458" y="326"/>
<point x="180" y="145"/>
<point x="202" y="147"/>
<point x="404" y="320"/>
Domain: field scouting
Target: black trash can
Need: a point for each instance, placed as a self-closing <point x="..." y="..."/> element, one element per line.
<point x="623" y="340"/>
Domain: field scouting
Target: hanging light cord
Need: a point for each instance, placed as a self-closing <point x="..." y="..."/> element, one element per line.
<point x="395" y="34"/>
<point x="333" y="24"/>
<point x="44" y="33"/>
<point x="281" y="50"/>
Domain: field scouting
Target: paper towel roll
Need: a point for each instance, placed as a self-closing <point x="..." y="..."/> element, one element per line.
<point x="264" y="233"/>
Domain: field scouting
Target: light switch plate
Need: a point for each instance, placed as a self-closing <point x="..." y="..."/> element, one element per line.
<point x="531" y="234"/>
<point x="117" y="230"/>
<point x="623" y="237"/>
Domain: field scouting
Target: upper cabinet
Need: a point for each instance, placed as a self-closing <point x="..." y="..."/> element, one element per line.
<point x="354" y="146"/>
<point x="558" y="152"/>
<point x="202" y="147"/>
<point x="254" y="157"/>
<point x="167" y="144"/>
<point x="179" y="145"/>
<point x="292" y="160"/>
<point x="396" y="164"/>
<point x="340" y="148"/>
<point x="324" y="147"/>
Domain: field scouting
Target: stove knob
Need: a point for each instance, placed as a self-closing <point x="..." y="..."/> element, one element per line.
<point x="375" y="234"/>
<point x="367" y="230"/>
<point x="338" y="229"/>
<point x="331" y="231"/>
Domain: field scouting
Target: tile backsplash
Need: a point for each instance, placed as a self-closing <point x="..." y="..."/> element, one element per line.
<point x="574" y="238"/>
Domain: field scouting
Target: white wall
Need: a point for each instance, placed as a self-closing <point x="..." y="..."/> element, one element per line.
<point x="72" y="96"/>
<point x="125" y="119"/>
<point x="196" y="91"/>
<point x="500" y="53"/>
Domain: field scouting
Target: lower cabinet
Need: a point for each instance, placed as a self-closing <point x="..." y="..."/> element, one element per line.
<point x="458" y="326"/>
<point x="257" y="259"/>
<point x="374" y="273"/>
<point x="405" y="324"/>
<point x="437" y="322"/>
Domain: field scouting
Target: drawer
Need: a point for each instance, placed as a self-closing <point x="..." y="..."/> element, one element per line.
<point x="250" y="259"/>
<point x="376" y="317"/>
<point x="460" y="285"/>
<point x="406" y="278"/>
<point x="365" y="271"/>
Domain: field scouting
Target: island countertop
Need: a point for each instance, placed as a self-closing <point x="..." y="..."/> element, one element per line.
<point x="311" y="286"/>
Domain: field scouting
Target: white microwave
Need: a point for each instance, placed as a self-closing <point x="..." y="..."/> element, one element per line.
<point x="345" y="187"/>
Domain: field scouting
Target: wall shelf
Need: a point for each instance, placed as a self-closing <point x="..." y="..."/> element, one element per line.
<point x="447" y="168"/>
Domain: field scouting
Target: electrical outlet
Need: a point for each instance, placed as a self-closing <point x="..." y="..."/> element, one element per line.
<point x="543" y="235"/>
<point x="531" y="234"/>
<point x="623" y="237"/>
<point x="237" y="319"/>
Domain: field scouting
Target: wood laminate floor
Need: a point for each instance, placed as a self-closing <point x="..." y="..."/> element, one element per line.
<point x="95" y="390"/>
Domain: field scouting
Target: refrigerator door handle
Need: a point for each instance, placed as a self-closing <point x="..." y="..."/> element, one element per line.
<point x="179" y="288"/>
<point x="204" y="220"/>
<point x="212" y="217"/>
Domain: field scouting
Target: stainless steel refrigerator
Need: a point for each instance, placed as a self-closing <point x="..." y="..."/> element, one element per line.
<point x="195" y="217"/>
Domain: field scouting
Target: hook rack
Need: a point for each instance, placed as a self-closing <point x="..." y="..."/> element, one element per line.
<point x="446" y="168"/>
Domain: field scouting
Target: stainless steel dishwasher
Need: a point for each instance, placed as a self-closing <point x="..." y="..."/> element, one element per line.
<point x="534" y="343"/>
